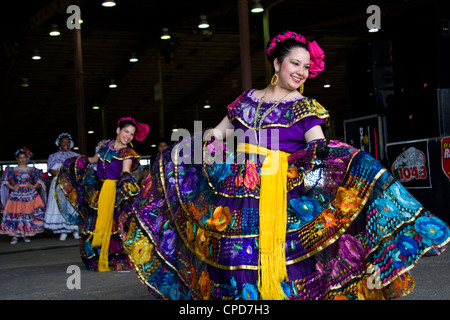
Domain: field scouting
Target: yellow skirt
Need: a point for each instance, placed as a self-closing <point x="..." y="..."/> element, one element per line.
<point x="272" y="221"/>
<point x="104" y="222"/>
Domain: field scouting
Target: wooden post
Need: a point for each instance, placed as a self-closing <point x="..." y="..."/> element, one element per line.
<point x="79" y="89"/>
<point x="245" y="45"/>
<point x="160" y="95"/>
<point x="266" y="30"/>
<point x="104" y="131"/>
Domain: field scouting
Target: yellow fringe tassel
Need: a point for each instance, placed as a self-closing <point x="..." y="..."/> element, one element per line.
<point x="272" y="221"/>
<point x="103" y="225"/>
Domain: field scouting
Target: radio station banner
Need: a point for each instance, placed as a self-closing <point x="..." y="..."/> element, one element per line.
<point x="445" y="154"/>
<point x="409" y="163"/>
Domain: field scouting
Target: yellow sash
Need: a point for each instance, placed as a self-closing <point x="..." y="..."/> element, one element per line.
<point x="103" y="225"/>
<point x="272" y="220"/>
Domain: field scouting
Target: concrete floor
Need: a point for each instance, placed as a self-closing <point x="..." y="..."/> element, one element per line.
<point x="39" y="271"/>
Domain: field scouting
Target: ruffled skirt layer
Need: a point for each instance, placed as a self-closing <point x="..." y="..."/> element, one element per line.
<point x="352" y="232"/>
<point x="78" y="183"/>
<point x="23" y="215"/>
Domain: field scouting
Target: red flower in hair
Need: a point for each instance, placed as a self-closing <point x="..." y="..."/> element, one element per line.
<point x="141" y="128"/>
<point x="317" y="65"/>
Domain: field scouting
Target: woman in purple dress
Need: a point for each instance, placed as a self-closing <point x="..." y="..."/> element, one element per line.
<point x="103" y="196"/>
<point x="287" y="215"/>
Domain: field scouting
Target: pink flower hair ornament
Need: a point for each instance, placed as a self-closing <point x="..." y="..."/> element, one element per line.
<point x="317" y="65"/>
<point x="142" y="129"/>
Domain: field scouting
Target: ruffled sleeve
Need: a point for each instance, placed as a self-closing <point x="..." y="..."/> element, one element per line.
<point x="129" y="153"/>
<point x="51" y="162"/>
<point x="232" y="107"/>
<point x="38" y="177"/>
<point x="7" y="176"/>
<point x="101" y="146"/>
<point x="309" y="107"/>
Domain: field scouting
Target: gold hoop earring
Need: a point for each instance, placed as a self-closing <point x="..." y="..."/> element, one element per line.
<point x="274" y="80"/>
<point x="302" y="87"/>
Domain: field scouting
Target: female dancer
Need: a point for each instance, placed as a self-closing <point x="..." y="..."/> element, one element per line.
<point x="23" y="195"/>
<point x="55" y="219"/>
<point x="103" y="196"/>
<point x="289" y="215"/>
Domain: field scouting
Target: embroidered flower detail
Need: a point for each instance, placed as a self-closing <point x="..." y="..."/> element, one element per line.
<point x="351" y="250"/>
<point x="169" y="241"/>
<point x="402" y="282"/>
<point x="347" y="199"/>
<point x="141" y="250"/>
<point x="201" y="243"/>
<point x="319" y="267"/>
<point x="249" y="292"/>
<point x="81" y="162"/>
<point x="273" y="116"/>
<point x="404" y="197"/>
<point x="407" y="245"/>
<point x="236" y="102"/>
<point x="190" y="233"/>
<point x="336" y="266"/>
<point x="328" y="220"/>
<point x="195" y="211"/>
<point x="251" y="175"/>
<point x="238" y="180"/>
<point x="292" y="172"/>
<point x="220" y="219"/>
<point x="248" y="113"/>
<point x="386" y="208"/>
<point x="158" y="223"/>
<point x="73" y="196"/>
<point x="338" y="162"/>
<point x="219" y="171"/>
<point x="174" y="291"/>
<point x="305" y="208"/>
<point x="205" y="285"/>
<point x="433" y="230"/>
<point x="286" y="288"/>
<point x="189" y="182"/>
<point x="336" y="144"/>
<point x="192" y="274"/>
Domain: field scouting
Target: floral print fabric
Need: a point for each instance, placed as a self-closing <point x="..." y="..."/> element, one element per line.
<point x="24" y="208"/>
<point x="352" y="232"/>
<point x="79" y="183"/>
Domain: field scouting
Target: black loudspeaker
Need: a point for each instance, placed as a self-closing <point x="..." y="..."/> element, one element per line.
<point x="419" y="115"/>
<point x="421" y="67"/>
<point x="421" y="48"/>
<point x="369" y="78"/>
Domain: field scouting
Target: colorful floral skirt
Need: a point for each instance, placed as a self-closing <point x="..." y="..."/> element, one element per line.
<point x="352" y="231"/>
<point x="23" y="215"/>
<point x="79" y="184"/>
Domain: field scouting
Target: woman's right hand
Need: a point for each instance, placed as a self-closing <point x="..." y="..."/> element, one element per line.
<point x="93" y="159"/>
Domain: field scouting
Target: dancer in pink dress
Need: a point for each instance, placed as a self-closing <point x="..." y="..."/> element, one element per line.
<point x="23" y="194"/>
